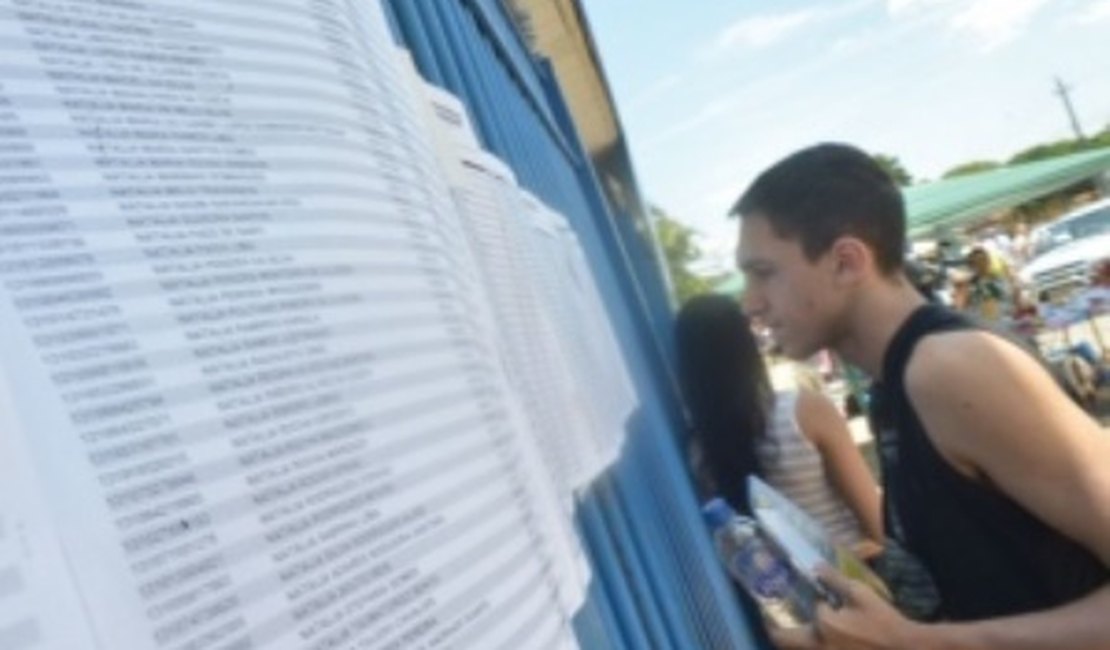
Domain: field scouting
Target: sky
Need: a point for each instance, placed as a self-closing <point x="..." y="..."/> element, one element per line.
<point x="711" y="92"/>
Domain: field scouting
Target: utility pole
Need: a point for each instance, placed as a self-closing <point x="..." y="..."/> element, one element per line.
<point x="1063" y="91"/>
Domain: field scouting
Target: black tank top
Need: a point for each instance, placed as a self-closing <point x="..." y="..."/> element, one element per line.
<point x="987" y="555"/>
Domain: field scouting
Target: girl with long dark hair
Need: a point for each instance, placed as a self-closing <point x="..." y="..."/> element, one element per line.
<point x="795" y="440"/>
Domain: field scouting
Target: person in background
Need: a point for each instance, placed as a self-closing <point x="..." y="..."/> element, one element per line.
<point x="992" y="289"/>
<point x="1022" y="245"/>
<point x="1002" y="245"/>
<point x="993" y="479"/>
<point x="795" y="440"/>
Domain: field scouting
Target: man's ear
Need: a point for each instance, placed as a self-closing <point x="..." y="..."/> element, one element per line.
<point x="851" y="259"/>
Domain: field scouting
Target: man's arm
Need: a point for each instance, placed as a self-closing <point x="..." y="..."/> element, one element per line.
<point x="867" y="622"/>
<point x="997" y="417"/>
<point x="1081" y="624"/>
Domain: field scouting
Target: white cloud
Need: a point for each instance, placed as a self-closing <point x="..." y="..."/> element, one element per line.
<point x="993" y="23"/>
<point x="906" y="6"/>
<point x="710" y="111"/>
<point x="761" y="31"/>
<point x="989" y="23"/>
<point x="1095" y="12"/>
<point x="849" y="45"/>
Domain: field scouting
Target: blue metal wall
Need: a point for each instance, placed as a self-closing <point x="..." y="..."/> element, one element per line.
<point x="657" y="583"/>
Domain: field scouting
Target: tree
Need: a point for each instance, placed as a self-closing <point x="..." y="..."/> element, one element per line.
<point x="679" y="249"/>
<point x="1062" y="147"/>
<point x="973" y="167"/>
<point x="1048" y="150"/>
<point x="894" y="168"/>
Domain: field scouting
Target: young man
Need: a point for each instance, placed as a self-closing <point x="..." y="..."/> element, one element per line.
<point x="993" y="478"/>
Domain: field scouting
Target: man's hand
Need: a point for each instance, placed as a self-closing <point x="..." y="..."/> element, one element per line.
<point x="795" y="638"/>
<point x="864" y="622"/>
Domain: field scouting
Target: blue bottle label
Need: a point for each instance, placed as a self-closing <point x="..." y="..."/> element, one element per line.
<point x="767" y="575"/>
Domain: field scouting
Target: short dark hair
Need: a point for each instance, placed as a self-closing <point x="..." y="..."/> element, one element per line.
<point x="826" y="191"/>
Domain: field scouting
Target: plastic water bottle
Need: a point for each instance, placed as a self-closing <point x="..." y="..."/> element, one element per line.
<point x="754" y="563"/>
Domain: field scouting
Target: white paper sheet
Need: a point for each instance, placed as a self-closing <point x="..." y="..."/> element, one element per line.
<point x="40" y="607"/>
<point x="259" y="409"/>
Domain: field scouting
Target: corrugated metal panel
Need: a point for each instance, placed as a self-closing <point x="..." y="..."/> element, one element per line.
<point x="657" y="583"/>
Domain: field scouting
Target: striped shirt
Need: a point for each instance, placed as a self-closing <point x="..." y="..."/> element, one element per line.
<point x="792" y="465"/>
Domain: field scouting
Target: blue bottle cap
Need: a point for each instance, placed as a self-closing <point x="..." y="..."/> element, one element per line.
<point x="717" y="512"/>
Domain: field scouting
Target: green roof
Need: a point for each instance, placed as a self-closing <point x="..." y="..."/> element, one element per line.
<point x="954" y="202"/>
<point x="962" y="200"/>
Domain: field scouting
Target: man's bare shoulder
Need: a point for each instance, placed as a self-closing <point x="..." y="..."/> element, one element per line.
<point x="980" y="397"/>
<point x="950" y="363"/>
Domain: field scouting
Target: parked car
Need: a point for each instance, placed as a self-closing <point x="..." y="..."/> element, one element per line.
<point x="1068" y="251"/>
